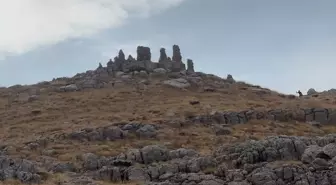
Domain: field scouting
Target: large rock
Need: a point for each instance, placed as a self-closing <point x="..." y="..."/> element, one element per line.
<point x="163" y="55"/>
<point x="69" y="88"/>
<point x="177" y="57"/>
<point x="190" y="66"/>
<point x="143" y="53"/>
<point x="311" y="91"/>
<point x="23" y="170"/>
<point x="178" y="83"/>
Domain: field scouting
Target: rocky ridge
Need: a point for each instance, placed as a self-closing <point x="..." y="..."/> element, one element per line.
<point x="277" y="160"/>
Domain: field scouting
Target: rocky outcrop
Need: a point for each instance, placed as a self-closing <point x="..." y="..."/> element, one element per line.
<point x="113" y="132"/>
<point x="177" y="83"/>
<point x="275" y="160"/>
<point x="190" y="66"/>
<point x="309" y="115"/>
<point x="143" y="53"/>
<point x="311" y="91"/>
<point x="20" y="169"/>
<point x="163" y="55"/>
<point x="177" y="57"/>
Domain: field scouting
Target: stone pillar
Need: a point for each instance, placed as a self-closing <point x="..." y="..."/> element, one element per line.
<point x="163" y="55"/>
<point x="177" y="57"/>
<point x="143" y="53"/>
<point x="190" y="66"/>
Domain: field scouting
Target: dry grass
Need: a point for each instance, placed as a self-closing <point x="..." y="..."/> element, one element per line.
<point x="55" y="113"/>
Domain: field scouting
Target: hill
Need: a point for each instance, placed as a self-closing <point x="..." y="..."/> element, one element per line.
<point x="161" y="122"/>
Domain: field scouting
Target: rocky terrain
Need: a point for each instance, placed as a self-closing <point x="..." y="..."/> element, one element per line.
<point x="135" y="121"/>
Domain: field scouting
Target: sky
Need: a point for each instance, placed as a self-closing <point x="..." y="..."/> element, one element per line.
<point x="282" y="45"/>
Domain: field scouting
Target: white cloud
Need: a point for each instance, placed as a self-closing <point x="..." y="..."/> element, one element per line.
<point x="28" y="24"/>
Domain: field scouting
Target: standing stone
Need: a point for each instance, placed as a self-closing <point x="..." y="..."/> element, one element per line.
<point x="163" y="55"/>
<point x="119" y="60"/>
<point x="190" y="66"/>
<point x="230" y="79"/>
<point x="100" y="66"/>
<point x="130" y="58"/>
<point x="121" y="55"/>
<point x="177" y="57"/>
<point x="143" y="53"/>
<point x="311" y="91"/>
<point x="111" y="67"/>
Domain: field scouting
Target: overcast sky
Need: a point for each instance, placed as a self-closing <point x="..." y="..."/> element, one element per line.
<point x="283" y="45"/>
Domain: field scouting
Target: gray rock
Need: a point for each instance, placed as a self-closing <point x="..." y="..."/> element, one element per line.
<point x="263" y="178"/>
<point x="147" y="131"/>
<point x="63" y="167"/>
<point x="137" y="174"/>
<point x="239" y="183"/>
<point x="177" y="57"/>
<point x="109" y="174"/>
<point x="160" y="71"/>
<point x="310" y="153"/>
<point x="320" y="164"/>
<point x="154" y="153"/>
<point x="181" y="153"/>
<point x="220" y="130"/>
<point x="311" y="91"/>
<point x="32" y="98"/>
<point x="230" y="79"/>
<point x="91" y="161"/>
<point x="330" y="150"/>
<point x="69" y="88"/>
<point x="177" y="83"/>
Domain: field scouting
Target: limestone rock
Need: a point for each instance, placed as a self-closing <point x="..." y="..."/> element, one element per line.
<point x="177" y="57"/>
<point x="190" y="66"/>
<point x="230" y="79"/>
<point x="311" y="91"/>
<point x="178" y="83"/>
<point x="69" y="88"/>
<point x="163" y="55"/>
<point x="143" y="53"/>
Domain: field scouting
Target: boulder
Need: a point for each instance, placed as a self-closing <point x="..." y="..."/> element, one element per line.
<point x="178" y="83"/>
<point x="311" y="91"/>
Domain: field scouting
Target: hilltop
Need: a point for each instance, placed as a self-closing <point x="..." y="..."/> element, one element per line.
<point x="162" y="122"/>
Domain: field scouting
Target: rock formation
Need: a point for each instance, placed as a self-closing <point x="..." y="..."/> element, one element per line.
<point x="230" y="78"/>
<point x="143" y="53"/>
<point x="190" y="66"/>
<point x="177" y="57"/>
<point x="143" y="62"/>
<point x="311" y="91"/>
<point x="163" y="55"/>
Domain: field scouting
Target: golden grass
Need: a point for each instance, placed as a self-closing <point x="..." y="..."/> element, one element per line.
<point x="56" y="113"/>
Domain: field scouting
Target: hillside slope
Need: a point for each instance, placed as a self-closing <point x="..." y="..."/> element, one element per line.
<point x="58" y="126"/>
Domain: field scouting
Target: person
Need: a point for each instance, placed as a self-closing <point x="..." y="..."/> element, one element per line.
<point x="300" y="93"/>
